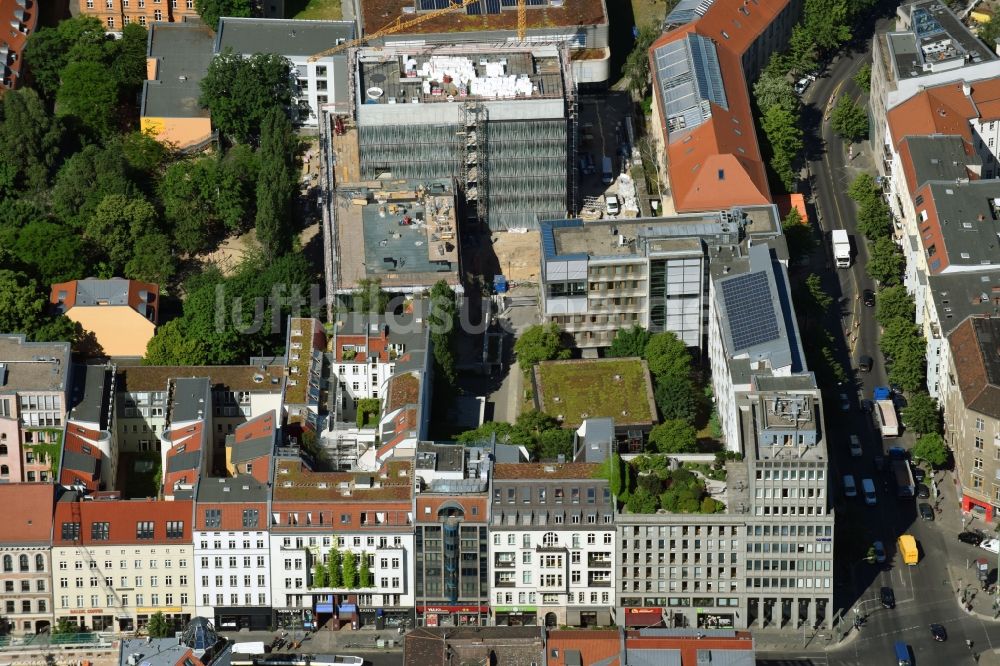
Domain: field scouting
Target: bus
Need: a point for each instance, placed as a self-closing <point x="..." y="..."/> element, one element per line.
<point x="908" y="549"/>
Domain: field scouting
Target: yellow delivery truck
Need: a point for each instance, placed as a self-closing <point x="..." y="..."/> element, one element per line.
<point x="908" y="549"/>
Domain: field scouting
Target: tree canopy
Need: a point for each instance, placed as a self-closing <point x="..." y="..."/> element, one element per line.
<point x="849" y="119"/>
<point x="674" y="436"/>
<point x="629" y="342"/>
<point x="275" y="184"/>
<point x="885" y="262"/>
<point x="894" y="303"/>
<point x="931" y="447"/>
<point x="240" y="91"/>
<point x="922" y="414"/>
<point x="211" y="10"/>
<point x="667" y="355"/>
<point x="542" y="342"/>
<point x="785" y="137"/>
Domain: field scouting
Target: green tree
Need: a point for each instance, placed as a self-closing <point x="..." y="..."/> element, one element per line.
<point x="364" y="572"/>
<point x="931" y="447"/>
<point x="849" y="120"/>
<point x="29" y="141"/>
<point x="368" y="297"/>
<point x="874" y="219"/>
<point x="554" y="443"/>
<point x="236" y="201"/>
<point x="863" y="189"/>
<point x="368" y="412"/>
<point x="91" y="96"/>
<point x="506" y="433"/>
<point x="989" y="32"/>
<point x="636" y="67"/>
<point x="173" y="346"/>
<point x="441" y="320"/>
<point x="894" y="303"/>
<point x="784" y="134"/>
<point x="668" y="356"/>
<point x="117" y="224"/>
<point x="533" y="422"/>
<point x="922" y="414"/>
<point x="818" y="302"/>
<point x="827" y="22"/>
<point x="885" y="262"/>
<point x="240" y="92"/>
<point x="188" y="191"/>
<point x="542" y="342"/>
<point x="143" y="153"/>
<point x="319" y="574"/>
<point x="798" y="236"/>
<point x="53" y="252"/>
<point x="63" y="626"/>
<point x="896" y="336"/>
<point x="49" y="50"/>
<point x="211" y="10"/>
<point x="158" y="626"/>
<point x="128" y="66"/>
<point x="350" y="570"/>
<point x="676" y="397"/>
<point x="909" y="368"/>
<point x="275" y="185"/>
<point x="641" y="501"/>
<point x="85" y="179"/>
<point x="151" y="260"/>
<point x="629" y="342"/>
<point x="802" y="57"/>
<point x="773" y="89"/>
<point x="863" y="77"/>
<point x="616" y="471"/>
<point x="21" y="303"/>
<point x="674" y="436"/>
<point x="335" y="568"/>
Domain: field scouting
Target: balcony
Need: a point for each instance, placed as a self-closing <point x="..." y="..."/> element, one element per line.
<point x="505" y="582"/>
<point x="599" y="562"/>
<point x="504" y="564"/>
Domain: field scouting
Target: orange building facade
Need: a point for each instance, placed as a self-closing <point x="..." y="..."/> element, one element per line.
<point x="116" y="14"/>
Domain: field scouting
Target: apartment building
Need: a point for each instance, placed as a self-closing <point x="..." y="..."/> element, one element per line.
<point x="26" y="556"/>
<point x="365" y="514"/>
<point x="117" y="562"/>
<point x="185" y="449"/>
<point x="34" y="396"/>
<point x="929" y="47"/>
<point x="752" y="330"/>
<point x="22" y="17"/>
<point x="767" y="561"/>
<point x="451" y="542"/>
<point x="122" y="314"/>
<point x="552" y="545"/>
<point x="232" y="554"/>
<point x="250" y="449"/>
<point x="970" y="390"/>
<point x="702" y="68"/>
<point x="89" y="457"/>
<point x="116" y="14"/>
<point x="652" y="272"/>
<point x="239" y="393"/>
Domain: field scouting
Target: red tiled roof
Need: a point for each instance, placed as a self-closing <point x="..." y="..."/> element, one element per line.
<point x="123" y="517"/>
<point x="232" y="515"/>
<point x="717" y="164"/>
<point x="28" y="514"/>
<point x="134" y="299"/>
<point x="17" y="39"/>
<point x="79" y="440"/>
<point x="593" y="646"/>
<point x="939" y="110"/>
<point x="574" y="470"/>
<point x="786" y="202"/>
<point x="259" y="426"/>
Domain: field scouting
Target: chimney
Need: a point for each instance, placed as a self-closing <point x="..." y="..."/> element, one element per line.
<point x="966" y="89"/>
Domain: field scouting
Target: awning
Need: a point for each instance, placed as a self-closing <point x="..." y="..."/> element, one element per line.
<point x="324" y="607"/>
<point x="348" y="608"/>
<point x="643" y="617"/>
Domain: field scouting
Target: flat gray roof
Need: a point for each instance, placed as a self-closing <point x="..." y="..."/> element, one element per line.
<point x="90" y="394"/>
<point x="969" y="219"/>
<point x="936" y="38"/>
<point x="183" y="52"/>
<point x="192" y="396"/>
<point x="240" y="488"/>
<point x="289" y="37"/>
<point x="960" y="295"/>
<point x="939" y="157"/>
<point x="33" y="366"/>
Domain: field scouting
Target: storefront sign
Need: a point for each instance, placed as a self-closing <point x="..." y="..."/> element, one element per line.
<point x="515" y="609"/>
<point x="432" y="620"/>
<point x="642" y="611"/>
<point x="159" y="609"/>
<point x="453" y="609"/>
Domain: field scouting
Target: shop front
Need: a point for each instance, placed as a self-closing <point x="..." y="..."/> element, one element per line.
<point x="386" y="618"/>
<point x="336" y="611"/>
<point x="515" y="616"/>
<point x="174" y="615"/>
<point x="453" y="616"/>
<point x="294" y="618"/>
<point x="710" y="619"/>
<point x="589" y="617"/>
<point x="643" y="617"/>
<point x="234" y="618"/>
<point x="983" y="509"/>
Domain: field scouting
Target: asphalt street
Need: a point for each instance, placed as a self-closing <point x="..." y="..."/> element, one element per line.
<point x="929" y="592"/>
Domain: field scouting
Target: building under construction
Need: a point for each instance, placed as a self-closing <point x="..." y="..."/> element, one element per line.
<point x="498" y="119"/>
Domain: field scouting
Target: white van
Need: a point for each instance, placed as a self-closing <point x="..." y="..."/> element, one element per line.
<point x="850" y="488"/>
<point x="868" y="490"/>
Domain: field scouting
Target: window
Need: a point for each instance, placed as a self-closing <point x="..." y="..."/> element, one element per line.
<point x="213" y="518"/>
<point x="22" y="562"/>
<point x="71" y="531"/>
<point x="99" y="531"/>
<point x="8" y="563"/>
<point x="175" y="529"/>
<point x="144" y="529"/>
<point x="111" y="24"/>
<point x="979" y="443"/>
<point x="250" y="517"/>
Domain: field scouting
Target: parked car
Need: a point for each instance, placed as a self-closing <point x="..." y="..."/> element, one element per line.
<point x="923" y="492"/>
<point x="970" y="538"/>
<point x="611" y="201"/>
<point x="939" y="633"/>
<point x="887" y="597"/>
<point x="865" y="365"/>
<point x="868" y="298"/>
<point x="879" y="552"/>
<point x="992" y="545"/>
<point x="855" y="446"/>
<point x="919" y="474"/>
<point x="348" y="660"/>
<point x="845" y="403"/>
<point x="802" y="85"/>
<point x="926" y="511"/>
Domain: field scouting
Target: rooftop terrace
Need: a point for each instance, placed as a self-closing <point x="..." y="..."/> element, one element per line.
<point x="295" y="482"/>
<point x="398" y="76"/>
<point x="935" y="41"/>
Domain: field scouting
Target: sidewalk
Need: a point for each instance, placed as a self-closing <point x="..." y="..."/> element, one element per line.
<point x="328" y="641"/>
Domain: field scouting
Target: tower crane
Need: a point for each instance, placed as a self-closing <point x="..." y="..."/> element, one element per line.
<point x="399" y="25"/>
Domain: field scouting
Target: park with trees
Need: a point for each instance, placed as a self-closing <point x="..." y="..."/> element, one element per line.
<point x="84" y="193"/>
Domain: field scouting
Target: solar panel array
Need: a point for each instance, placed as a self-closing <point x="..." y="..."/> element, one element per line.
<point x="434" y="4"/>
<point x="750" y="310"/>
